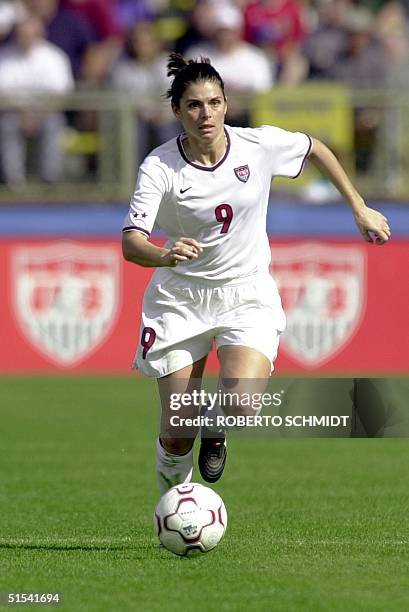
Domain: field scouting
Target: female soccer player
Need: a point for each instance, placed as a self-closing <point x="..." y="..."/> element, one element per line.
<point x="208" y="189"/>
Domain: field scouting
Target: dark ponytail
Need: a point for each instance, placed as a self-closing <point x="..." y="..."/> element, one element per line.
<point x="186" y="72"/>
<point x="176" y="63"/>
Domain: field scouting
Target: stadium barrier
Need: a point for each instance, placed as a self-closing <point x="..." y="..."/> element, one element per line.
<point x="100" y="141"/>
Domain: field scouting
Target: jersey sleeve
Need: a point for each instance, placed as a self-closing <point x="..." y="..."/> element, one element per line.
<point x="288" y="150"/>
<point x="149" y="192"/>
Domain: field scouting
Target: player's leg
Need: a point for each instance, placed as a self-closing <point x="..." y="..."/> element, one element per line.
<point x="174" y="336"/>
<point x="250" y="322"/>
<point x="51" y="155"/>
<point x="243" y="370"/>
<point x="12" y="148"/>
<point x="247" y="345"/>
<point x="175" y="442"/>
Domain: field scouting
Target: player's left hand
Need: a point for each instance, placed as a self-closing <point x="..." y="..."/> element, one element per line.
<point x="373" y="225"/>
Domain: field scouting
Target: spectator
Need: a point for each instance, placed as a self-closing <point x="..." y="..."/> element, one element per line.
<point x="324" y="46"/>
<point x="392" y="29"/>
<point x="364" y="62"/>
<point x="101" y="17"/>
<point x="245" y="68"/>
<point x="130" y="12"/>
<point x="65" y="29"/>
<point x="279" y="26"/>
<point x="100" y="14"/>
<point x="11" y="11"/>
<point x="30" y="65"/>
<point x="200" y="27"/>
<point x="363" y="65"/>
<point x="375" y="6"/>
<point x="143" y="74"/>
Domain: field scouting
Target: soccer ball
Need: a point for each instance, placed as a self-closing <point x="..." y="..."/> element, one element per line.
<point x="190" y="518"/>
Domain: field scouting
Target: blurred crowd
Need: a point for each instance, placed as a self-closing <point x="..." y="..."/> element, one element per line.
<point x="58" y="46"/>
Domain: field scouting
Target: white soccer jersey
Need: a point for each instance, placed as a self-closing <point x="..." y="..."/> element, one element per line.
<point x="223" y="207"/>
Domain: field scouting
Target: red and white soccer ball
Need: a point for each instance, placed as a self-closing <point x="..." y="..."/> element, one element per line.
<point x="190" y="518"/>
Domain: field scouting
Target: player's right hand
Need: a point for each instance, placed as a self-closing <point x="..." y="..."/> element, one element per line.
<point x="184" y="249"/>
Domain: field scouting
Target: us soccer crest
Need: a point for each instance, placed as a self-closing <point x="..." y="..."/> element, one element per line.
<point x="242" y="173"/>
<point x="323" y="292"/>
<point x="66" y="297"/>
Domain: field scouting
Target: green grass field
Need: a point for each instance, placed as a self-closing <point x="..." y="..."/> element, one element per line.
<point x="314" y="524"/>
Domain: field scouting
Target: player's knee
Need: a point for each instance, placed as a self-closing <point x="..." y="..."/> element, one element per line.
<point x="177" y="446"/>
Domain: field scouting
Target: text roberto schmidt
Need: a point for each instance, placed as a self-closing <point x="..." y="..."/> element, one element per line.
<point x="260" y="421"/>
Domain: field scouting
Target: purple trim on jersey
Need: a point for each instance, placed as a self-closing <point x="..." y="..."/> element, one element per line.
<point x="134" y="227"/>
<point x="305" y="157"/>
<point x="197" y="166"/>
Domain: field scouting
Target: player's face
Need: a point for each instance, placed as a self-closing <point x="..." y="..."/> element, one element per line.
<point x="202" y="111"/>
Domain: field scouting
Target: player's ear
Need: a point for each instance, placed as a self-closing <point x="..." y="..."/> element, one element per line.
<point x="176" y="111"/>
<point x="225" y="106"/>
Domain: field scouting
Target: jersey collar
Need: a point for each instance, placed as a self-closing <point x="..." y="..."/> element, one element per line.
<point x="198" y="166"/>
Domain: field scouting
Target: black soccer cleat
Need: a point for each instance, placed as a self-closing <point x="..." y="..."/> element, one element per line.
<point x="212" y="457"/>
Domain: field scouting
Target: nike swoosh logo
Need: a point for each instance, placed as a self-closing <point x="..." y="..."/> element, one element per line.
<point x="187" y="189"/>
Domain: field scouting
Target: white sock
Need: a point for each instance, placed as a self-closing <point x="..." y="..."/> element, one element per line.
<point x="172" y="469"/>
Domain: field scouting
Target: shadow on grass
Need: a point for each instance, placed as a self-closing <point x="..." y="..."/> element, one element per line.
<point x="143" y="550"/>
<point x="74" y="547"/>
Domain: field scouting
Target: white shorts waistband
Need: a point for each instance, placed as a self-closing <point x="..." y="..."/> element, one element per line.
<point x="167" y="275"/>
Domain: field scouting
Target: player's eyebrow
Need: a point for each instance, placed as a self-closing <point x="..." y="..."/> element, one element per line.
<point x="210" y="100"/>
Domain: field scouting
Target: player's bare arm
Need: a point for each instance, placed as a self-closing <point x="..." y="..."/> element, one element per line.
<point x="367" y="219"/>
<point x="139" y="250"/>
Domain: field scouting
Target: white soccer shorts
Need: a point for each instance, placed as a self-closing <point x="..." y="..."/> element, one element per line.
<point x="181" y="318"/>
